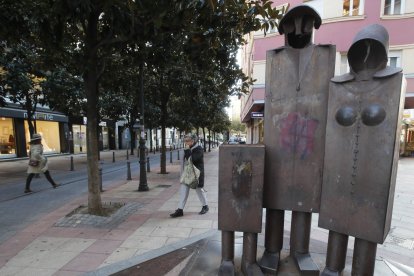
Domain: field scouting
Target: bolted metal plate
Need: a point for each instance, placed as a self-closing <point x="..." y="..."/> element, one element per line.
<point x="297" y="83"/>
<point x="361" y="156"/>
<point x="241" y="170"/>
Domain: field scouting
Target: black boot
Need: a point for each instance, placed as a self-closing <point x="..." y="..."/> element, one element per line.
<point x="204" y="210"/>
<point x="49" y="178"/>
<point x="178" y="213"/>
<point x="28" y="180"/>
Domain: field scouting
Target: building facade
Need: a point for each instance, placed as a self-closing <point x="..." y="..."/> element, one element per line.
<point x="60" y="134"/>
<point x="14" y="131"/>
<point x="341" y="20"/>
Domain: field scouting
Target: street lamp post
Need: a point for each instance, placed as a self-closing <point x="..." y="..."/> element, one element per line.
<point x="143" y="186"/>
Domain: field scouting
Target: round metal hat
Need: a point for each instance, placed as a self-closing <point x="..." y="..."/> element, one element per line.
<point x="376" y="33"/>
<point x="299" y="11"/>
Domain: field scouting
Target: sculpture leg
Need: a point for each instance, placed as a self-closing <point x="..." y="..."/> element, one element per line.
<point x="227" y="254"/>
<point x="299" y="243"/>
<point x="273" y="240"/>
<point x="363" y="262"/>
<point x="249" y="263"/>
<point x="336" y="254"/>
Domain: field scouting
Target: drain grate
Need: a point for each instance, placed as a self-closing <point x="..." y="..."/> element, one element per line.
<point x="110" y="222"/>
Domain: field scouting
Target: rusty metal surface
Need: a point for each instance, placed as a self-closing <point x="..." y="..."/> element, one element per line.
<point x="300" y="11"/>
<point x="361" y="157"/>
<point x="336" y="253"/>
<point x="363" y="261"/>
<point x="240" y="188"/>
<point x="361" y="57"/>
<point x="297" y="26"/>
<point x="295" y="120"/>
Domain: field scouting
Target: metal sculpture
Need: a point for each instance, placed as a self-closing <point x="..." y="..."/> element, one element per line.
<point x="241" y="169"/>
<point x="297" y="82"/>
<point x="361" y="153"/>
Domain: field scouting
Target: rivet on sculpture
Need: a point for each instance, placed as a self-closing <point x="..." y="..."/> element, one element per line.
<point x="361" y="154"/>
<point x="241" y="169"/>
<point x="297" y="83"/>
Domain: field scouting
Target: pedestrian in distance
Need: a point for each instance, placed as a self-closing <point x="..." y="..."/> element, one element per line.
<point x="37" y="162"/>
<point x="196" y="152"/>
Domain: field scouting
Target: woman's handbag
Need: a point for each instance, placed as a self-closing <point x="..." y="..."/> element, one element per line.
<point x="34" y="163"/>
<point x="190" y="174"/>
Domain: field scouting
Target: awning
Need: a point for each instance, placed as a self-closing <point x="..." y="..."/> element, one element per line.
<point x="254" y="103"/>
<point x="256" y="106"/>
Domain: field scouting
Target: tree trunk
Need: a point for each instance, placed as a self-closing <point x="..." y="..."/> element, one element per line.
<point x="156" y="140"/>
<point x="204" y="139"/>
<point x="132" y="141"/>
<point x="90" y="78"/>
<point x="163" y="150"/>
<point x="94" y="195"/>
<point x="163" y="161"/>
<point x="31" y="110"/>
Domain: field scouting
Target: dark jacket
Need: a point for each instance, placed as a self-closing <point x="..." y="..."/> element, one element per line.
<point x="197" y="155"/>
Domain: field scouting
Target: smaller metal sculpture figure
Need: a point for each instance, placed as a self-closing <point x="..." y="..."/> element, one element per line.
<point x="297" y="83"/>
<point x="361" y="153"/>
<point x="241" y="170"/>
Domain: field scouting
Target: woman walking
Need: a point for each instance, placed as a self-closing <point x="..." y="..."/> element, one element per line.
<point x="37" y="162"/>
<point x="195" y="151"/>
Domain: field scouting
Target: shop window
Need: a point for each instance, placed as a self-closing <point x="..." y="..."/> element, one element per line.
<point x="7" y="138"/>
<point x="105" y="138"/>
<point x="393" y="7"/>
<point x="79" y="138"/>
<point x="352" y="7"/>
<point x="50" y="135"/>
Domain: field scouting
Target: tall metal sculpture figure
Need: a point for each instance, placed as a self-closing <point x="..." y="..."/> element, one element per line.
<point x="297" y="82"/>
<point x="241" y="169"/>
<point x="361" y="155"/>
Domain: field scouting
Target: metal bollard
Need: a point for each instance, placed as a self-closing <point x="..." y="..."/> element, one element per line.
<point x="178" y="154"/>
<point x="148" y="165"/>
<point x="72" y="168"/>
<point x="100" y="179"/>
<point x="127" y="155"/>
<point x="170" y="156"/>
<point x="129" y="171"/>
<point x="113" y="157"/>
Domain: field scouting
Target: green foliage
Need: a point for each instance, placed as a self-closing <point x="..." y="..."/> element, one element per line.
<point x="187" y="49"/>
<point x="237" y="127"/>
<point x="64" y="92"/>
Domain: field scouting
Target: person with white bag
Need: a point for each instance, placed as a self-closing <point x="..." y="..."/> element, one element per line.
<point x="193" y="155"/>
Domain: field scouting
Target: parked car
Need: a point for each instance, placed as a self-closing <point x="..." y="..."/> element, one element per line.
<point x="233" y="141"/>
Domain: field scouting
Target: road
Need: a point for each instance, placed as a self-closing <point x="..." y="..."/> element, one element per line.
<point x="18" y="210"/>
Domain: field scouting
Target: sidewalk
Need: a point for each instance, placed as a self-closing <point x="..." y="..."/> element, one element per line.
<point x="44" y="248"/>
<point x="142" y="235"/>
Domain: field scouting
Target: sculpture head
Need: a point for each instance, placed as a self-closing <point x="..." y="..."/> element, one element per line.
<point x="368" y="52"/>
<point x="297" y="26"/>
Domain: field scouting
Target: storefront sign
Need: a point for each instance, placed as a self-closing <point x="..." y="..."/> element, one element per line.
<point x="41" y="116"/>
<point x="256" y="115"/>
